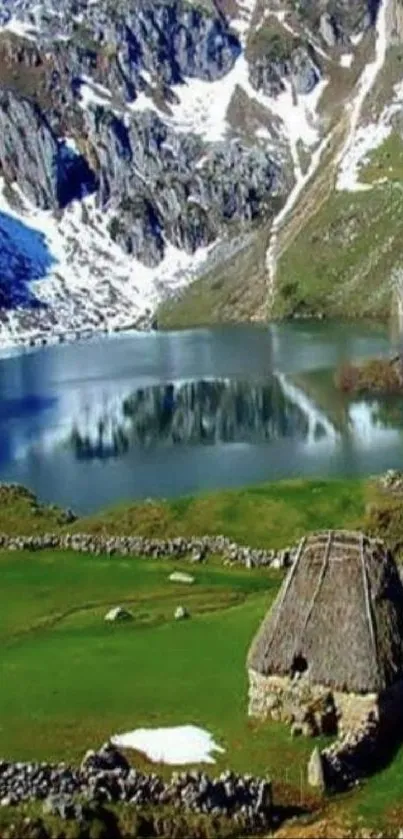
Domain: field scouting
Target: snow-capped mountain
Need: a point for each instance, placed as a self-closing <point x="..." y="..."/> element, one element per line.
<point x="146" y="144"/>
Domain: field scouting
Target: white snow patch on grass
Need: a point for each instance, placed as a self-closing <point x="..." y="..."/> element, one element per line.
<point x="177" y="746"/>
<point x="367" y="139"/>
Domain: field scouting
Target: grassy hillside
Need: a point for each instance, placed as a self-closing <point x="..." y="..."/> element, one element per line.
<point x="69" y="680"/>
<point x="52" y="609"/>
<point x="235" y="291"/>
<point x="343" y="261"/>
<point x="269" y="515"/>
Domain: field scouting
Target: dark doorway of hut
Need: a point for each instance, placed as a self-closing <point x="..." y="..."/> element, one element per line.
<point x="299" y="666"/>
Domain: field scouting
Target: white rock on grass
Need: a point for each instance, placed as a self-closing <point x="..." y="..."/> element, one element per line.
<point x="180" y="577"/>
<point x="118" y="614"/>
<point x="181" y="613"/>
<point x="176" y="746"/>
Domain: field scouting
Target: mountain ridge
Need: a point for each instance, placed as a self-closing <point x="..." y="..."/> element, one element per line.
<point x="151" y="146"/>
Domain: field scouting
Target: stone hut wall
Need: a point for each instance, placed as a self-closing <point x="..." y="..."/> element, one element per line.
<point x="288" y="700"/>
<point x="359" y="748"/>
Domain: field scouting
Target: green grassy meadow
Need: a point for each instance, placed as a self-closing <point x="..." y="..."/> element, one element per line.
<point x="69" y="680"/>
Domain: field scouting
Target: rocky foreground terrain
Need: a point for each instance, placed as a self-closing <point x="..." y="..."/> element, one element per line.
<point x="144" y="144"/>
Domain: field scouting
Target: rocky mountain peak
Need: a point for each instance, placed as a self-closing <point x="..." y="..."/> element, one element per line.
<point x="171" y="131"/>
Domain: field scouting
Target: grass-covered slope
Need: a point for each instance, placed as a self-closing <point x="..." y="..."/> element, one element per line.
<point x="343" y="262"/>
<point x="22" y="514"/>
<point x="69" y="680"/>
<point x="271" y="515"/>
<point x="84" y="680"/>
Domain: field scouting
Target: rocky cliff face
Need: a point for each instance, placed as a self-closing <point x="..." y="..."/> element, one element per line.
<point x="147" y="134"/>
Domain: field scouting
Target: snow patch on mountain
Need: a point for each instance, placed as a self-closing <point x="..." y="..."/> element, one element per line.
<point x="367" y="139"/>
<point x="92" y="284"/>
<point x="349" y="157"/>
<point x="22" y="29"/>
<point x="346" y="60"/>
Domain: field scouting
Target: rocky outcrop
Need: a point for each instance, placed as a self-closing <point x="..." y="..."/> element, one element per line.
<point x="337" y="21"/>
<point x="296" y="65"/>
<point x="161" y="186"/>
<point x="48" y="172"/>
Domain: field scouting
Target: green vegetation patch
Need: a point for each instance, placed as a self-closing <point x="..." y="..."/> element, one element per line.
<point x="271" y="515"/>
<point x="386" y="162"/>
<point x="271" y="40"/>
<point x="341" y="263"/>
<point x="69" y="684"/>
<point x="234" y="291"/>
<point x="22" y="514"/>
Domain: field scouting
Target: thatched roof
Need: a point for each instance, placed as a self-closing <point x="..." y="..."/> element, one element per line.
<point x="339" y="614"/>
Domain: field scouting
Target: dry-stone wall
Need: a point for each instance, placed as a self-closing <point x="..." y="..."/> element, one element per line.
<point x="106" y="776"/>
<point x="195" y="548"/>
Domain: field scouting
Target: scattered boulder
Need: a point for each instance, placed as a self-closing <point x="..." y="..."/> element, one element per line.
<point x="107" y="759"/>
<point x="316" y="770"/>
<point x="181" y="613"/>
<point x="180" y="577"/>
<point x="118" y="614"/>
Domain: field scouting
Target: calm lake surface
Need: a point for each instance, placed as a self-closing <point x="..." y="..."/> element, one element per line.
<point x="140" y="415"/>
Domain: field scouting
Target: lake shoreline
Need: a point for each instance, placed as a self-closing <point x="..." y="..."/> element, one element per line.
<point x="29" y="341"/>
<point x="373" y="377"/>
<point x="142" y="414"/>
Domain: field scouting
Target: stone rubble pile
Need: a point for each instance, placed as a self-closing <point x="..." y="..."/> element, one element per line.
<point x="352" y="755"/>
<point x="195" y="548"/>
<point x="106" y="776"/>
<point x="392" y="480"/>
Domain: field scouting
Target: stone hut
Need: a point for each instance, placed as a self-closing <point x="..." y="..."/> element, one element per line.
<point x="329" y="655"/>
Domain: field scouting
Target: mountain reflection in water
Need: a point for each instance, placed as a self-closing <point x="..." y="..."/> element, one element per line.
<point x="203" y="412"/>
